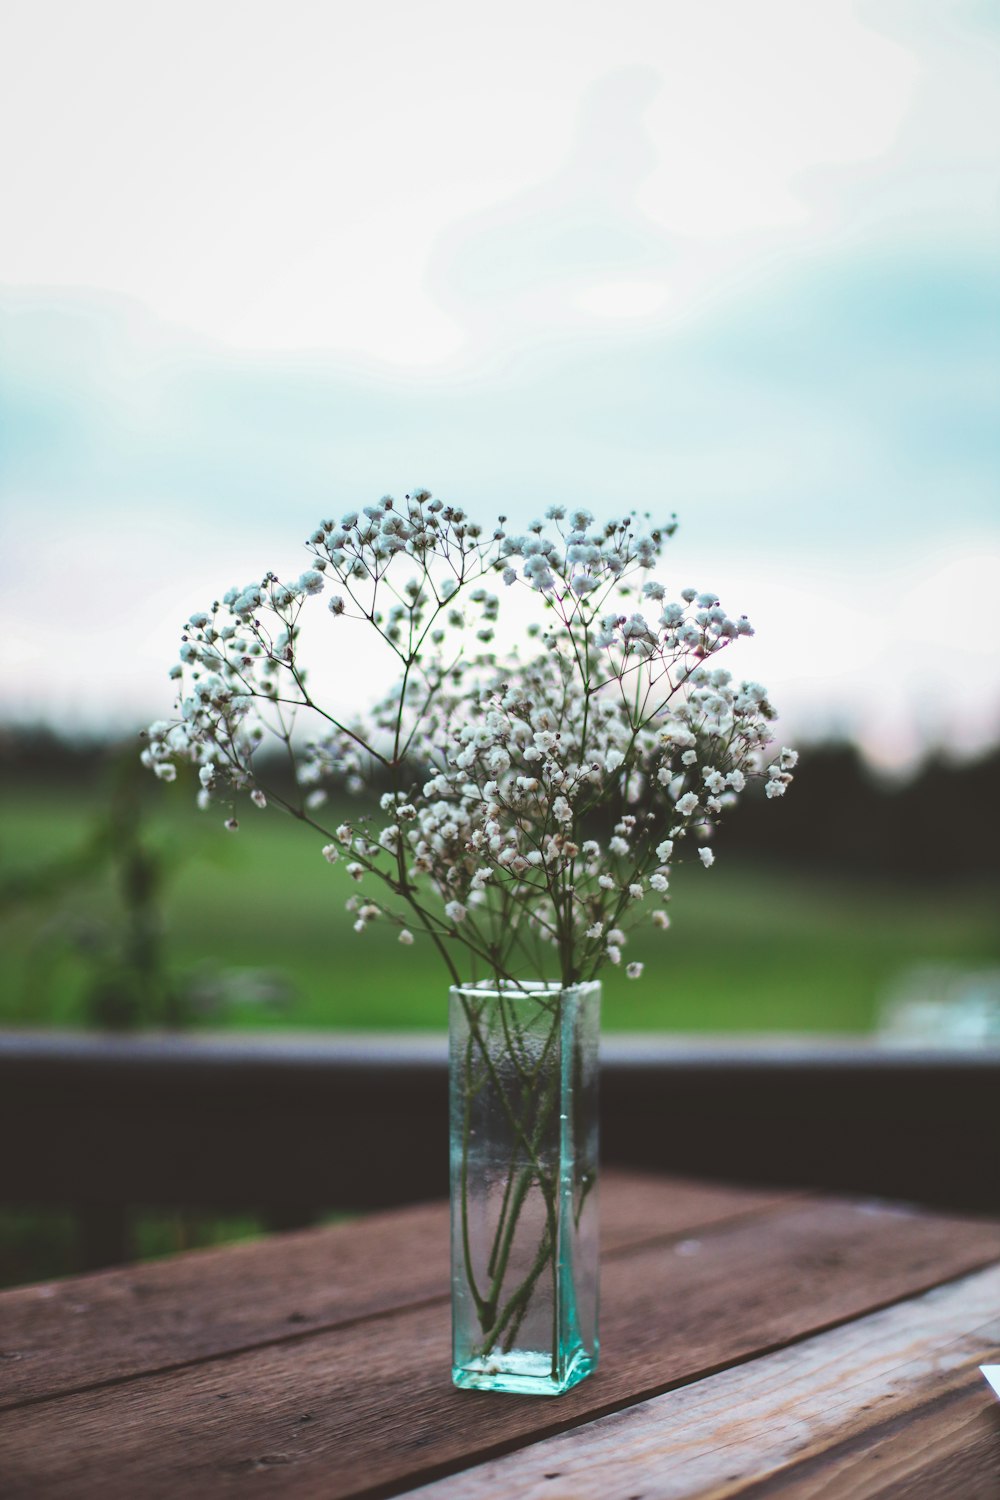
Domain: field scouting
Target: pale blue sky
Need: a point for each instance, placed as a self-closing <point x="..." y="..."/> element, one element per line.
<point x="737" y="261"/>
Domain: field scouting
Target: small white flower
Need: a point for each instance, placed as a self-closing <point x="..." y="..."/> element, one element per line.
<point x="707" y="856"/>
<point x="406" y="937"/>
<point x="634" y="971"/>
<point x="232" y="824"/>
<point x="661" y="919"/>
<point x="517" y="748"/>
<point x="258" y="799"/>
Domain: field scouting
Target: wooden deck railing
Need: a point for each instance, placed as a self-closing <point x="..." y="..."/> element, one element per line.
<point x="292" y="1126"/>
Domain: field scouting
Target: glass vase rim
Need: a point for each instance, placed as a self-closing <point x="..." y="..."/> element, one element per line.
<point x="524" y="989"/>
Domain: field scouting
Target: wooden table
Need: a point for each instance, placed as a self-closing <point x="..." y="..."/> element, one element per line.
<point x="753" y="1344"/>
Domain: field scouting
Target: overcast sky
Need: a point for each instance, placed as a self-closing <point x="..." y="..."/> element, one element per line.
<point x="263" y="262"/>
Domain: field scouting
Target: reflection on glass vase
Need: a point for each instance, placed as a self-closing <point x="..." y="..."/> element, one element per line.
<point x="523" y="1083"/>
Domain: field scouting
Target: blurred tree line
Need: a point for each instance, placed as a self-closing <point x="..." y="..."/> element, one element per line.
<point x="939" y="823"/>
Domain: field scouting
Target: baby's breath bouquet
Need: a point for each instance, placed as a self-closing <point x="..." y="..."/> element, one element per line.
<point x="523" y="794"/>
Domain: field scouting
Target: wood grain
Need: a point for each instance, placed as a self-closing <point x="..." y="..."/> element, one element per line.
<point x="63" y="1336"/>
<point x="891" y="1404"/>
<point x="948" y="1449"/>
<point x="367" y="1409"/>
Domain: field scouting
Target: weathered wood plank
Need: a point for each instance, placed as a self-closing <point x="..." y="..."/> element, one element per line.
<point x="949" y="1450"/>
<point x="368" y="1409"/>
<point x="890" y="1404"/>
<point x="62" y="1336"/>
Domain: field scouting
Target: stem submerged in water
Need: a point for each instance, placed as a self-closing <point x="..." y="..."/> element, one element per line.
<point x="528" y="1111"/>
<point x="523" y="1111"/>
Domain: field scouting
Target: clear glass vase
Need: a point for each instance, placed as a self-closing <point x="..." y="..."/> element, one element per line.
<point x="523" y="1084"/>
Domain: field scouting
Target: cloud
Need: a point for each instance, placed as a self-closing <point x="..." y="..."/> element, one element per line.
<point x="824" y="440"/>
<point x="864" y="382"/>
<point x="786" y="334"/>
<point x="524" y="262"/>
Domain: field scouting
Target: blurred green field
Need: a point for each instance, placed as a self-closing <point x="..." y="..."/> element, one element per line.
<point x="751" y="947"/>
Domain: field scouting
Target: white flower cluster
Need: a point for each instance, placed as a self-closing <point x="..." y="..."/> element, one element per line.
<point x="532" y="798"/>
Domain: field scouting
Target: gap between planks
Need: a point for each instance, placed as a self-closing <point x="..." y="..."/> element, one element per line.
<point x="371" y="1411"/>
<point x="95" y="1331"/>
<point x="891" y="1400"/>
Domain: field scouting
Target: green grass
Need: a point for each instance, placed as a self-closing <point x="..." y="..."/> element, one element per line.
<point x="750" y="947"/>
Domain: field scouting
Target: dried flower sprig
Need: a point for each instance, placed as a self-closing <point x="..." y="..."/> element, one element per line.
<point x="536" y="794"/>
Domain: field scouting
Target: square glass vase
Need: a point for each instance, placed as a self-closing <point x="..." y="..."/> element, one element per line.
<point x="523" y="1078"/>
